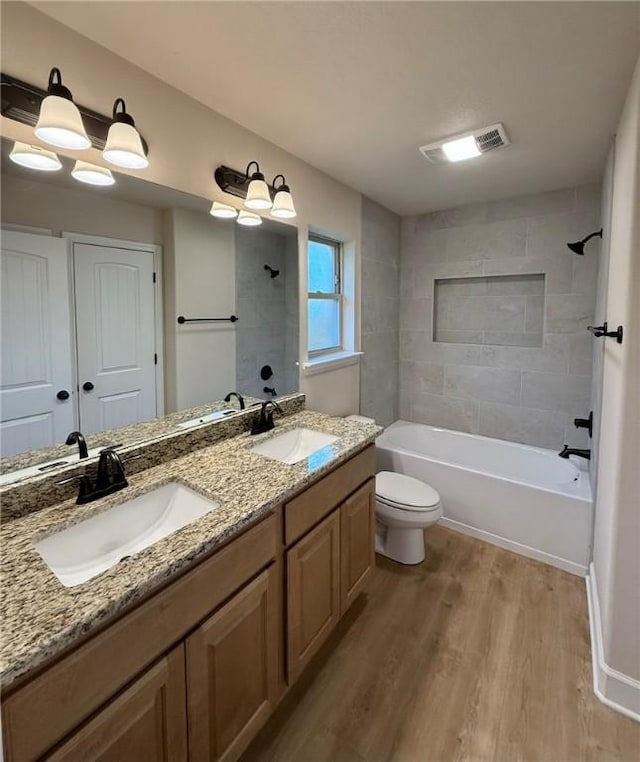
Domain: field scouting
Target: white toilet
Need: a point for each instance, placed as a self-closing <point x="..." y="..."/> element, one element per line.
<point x="405" y="507"/>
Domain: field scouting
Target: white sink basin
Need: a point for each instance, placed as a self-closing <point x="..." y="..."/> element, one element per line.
<point x="294" y="446"/>
<point x="216" y="416"/>
<point x="91" y="547"/>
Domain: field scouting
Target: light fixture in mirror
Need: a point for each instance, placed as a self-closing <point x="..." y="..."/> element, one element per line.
<point x="223" y="211"/>
<point x="283" y="207"/>
<point x="249" y="219"/>
<point x="124" y="145"/>
<point x="92" y="174"/>
<point x="59" y="122"/>
<point x="34" y="157"/>
<point x="258" y="196"/>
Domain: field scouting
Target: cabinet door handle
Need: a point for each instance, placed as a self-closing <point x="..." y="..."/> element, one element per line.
<point x="88" y="386"/>
<point x="63" y="394"/>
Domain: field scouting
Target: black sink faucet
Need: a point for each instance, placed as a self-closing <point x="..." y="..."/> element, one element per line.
<point x="238" y="396"/>
<point x="110" y="478"/>
<point x="571" y="451"/>
<point x="77" y="437"/>
<point x="110" y="475"/>
<point x="265" y="421"/>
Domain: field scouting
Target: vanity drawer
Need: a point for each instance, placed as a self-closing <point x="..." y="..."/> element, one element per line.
<point x="73" y="688"/>
<point x="312" y="505"/>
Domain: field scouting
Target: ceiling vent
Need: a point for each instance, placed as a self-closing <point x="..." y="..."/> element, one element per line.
<point x="486" y="139"/>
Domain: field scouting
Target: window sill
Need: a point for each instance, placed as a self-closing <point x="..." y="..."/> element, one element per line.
<point x="333" y="361"/>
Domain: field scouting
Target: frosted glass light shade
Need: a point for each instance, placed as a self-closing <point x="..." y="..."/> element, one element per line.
<point x="92" y="174"/>
<point x="283" y="207"/>
<point x="223" y="211"/>
<point x="34" y="157"/>
<point x="461" y="149"/>
<point x="60" y="124"/>
<point x="258" y="196"/>
<point x="249" y="219"/>
<point x="124" y="147"/>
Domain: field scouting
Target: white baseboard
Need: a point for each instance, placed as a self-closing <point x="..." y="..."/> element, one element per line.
<point x="516" y="547"/>
<point x="613" y="688"/>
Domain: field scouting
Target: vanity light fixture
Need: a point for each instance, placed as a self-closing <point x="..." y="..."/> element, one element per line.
<point x="223" y="211"/>
<point x="258" y="196"/>
<point x="34" y="157"/>
<point x="124" y="146"/>
<point x="249" y="219"/>
<point x="283" y="207"/>
<point x="92" y="174"/>
<point x="59" y="122"/>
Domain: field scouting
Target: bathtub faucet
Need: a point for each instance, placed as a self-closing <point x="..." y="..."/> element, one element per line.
<point x="571" y="451"/>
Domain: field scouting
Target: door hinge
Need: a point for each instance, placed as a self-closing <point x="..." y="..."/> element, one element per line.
<point x="155" y="358"/>
<point x="154" y="277"/>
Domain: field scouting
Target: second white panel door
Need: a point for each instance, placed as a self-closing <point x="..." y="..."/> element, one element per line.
<point x="115" y="319"/>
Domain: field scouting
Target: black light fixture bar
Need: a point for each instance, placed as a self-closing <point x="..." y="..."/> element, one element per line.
<point x="236" y="183"/>
<point x="21" y="102"/>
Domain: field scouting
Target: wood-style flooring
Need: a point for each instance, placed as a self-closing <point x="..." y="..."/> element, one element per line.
<point x="476" y="654"/>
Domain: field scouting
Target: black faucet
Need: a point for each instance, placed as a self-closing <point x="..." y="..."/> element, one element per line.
<point x="77" y="437"/>
<point x="572" y="451"/>
<point x="238" y="396"/>
<point x="110" y="478"/>
<point x="265" y="421"/>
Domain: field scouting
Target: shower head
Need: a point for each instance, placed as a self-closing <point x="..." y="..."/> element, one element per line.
<point x="273" y="273"/>
<point x="578" y="246"/>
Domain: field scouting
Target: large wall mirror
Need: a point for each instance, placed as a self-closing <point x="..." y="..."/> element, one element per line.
<point x="94" y="279"/>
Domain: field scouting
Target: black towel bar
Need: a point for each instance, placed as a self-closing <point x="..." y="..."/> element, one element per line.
<point x="231" y="319"/>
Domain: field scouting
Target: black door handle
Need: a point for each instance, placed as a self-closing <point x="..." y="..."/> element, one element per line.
<point x="63" y="394"/>
<point x="87" y="386"/>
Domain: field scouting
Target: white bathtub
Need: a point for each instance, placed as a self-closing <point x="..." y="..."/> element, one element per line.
<point x="522" y="498"/>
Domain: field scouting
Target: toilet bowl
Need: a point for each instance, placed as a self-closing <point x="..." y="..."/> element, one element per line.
<point x="405" y="507"/>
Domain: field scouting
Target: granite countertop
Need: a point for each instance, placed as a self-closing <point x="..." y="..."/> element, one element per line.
<point x="125" y="436"/>
<point x="41" y="617"/>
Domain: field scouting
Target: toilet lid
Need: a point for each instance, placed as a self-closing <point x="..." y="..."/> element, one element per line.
<point x="405" y="491"/>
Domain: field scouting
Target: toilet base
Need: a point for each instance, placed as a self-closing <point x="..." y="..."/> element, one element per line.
<point x="405" y="546"/>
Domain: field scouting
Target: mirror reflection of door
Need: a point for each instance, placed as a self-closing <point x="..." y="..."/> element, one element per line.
<point x="36" y="373"/>
<point x="115" y="329"/>
<point x="87" y="362"/>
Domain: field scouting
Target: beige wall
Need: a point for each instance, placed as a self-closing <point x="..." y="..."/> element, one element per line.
<point x="44" y="205"/>
<point x="187" y="140"/>
<point x="199" y="256"/>
<point x="617" y="529"/>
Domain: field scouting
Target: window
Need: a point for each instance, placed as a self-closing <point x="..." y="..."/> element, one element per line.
<point x="324" y="295"/>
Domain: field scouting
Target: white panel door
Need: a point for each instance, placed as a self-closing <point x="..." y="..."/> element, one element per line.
<point x="36" y="352"/>
<point x="115" y="327"/>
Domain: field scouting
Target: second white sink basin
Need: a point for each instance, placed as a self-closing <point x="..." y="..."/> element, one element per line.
<point x="89" y="548"/>
<point x="294" y="446"/>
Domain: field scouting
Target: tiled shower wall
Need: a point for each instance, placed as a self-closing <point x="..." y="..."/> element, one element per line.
<point x="380" y="251"/>
<point x="267" y="332"/>
<point x="526" y="394"/>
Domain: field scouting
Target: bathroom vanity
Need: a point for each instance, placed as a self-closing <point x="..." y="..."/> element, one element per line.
<point x="206" y="631"/>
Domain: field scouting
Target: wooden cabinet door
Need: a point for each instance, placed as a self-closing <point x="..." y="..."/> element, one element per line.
<point x="313" y="592"/>
<point x="357" y="542"/>
<point x="147" y="722"/>
<point x="232" y="666"/>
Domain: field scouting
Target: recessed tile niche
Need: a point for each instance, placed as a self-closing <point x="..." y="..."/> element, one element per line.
<point x="506" y="310"/>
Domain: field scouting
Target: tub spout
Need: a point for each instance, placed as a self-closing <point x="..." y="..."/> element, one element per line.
<point x="572" y="451"/>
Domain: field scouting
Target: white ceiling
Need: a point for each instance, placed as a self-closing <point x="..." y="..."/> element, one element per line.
<point x="354" y="88"/>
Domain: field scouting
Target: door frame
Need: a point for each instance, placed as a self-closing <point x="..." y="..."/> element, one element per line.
<point x="156" y="250"/>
